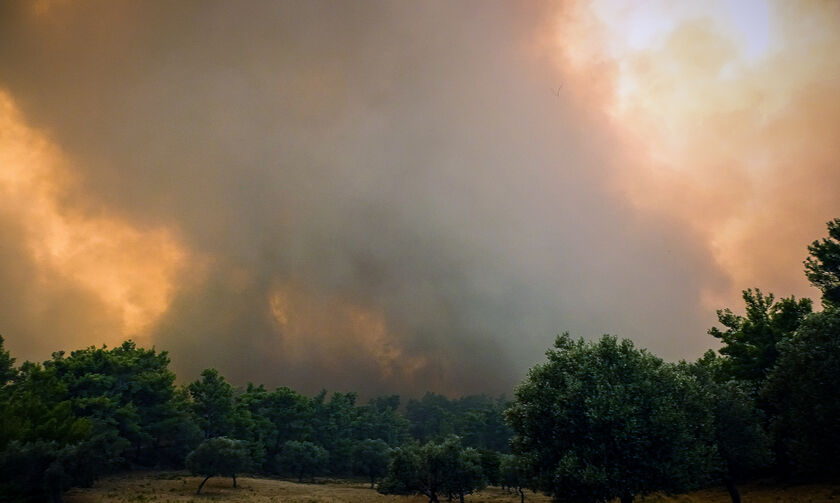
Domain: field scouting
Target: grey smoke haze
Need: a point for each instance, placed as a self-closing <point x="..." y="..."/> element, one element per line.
<point x="405" y="158"/>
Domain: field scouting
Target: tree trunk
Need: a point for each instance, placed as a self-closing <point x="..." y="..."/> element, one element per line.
<point x="733" y="491"/>
<point x="626" y="498"/>
<point x="56" y="495"/>
<point x="234" y="480"/>
<point x="461" y="496"/>
<point x="372" y="481"/>
<point x="521" y="495"/>
<point x="202" y="484"/>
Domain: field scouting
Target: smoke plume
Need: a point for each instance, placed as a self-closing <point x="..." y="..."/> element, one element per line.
<point x="394" y="196"/>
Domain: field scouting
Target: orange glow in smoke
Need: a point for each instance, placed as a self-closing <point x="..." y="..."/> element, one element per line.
<point x="131" y="270"/>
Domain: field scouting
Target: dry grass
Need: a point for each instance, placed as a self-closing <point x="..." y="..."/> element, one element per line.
<point x="166" y="487"/>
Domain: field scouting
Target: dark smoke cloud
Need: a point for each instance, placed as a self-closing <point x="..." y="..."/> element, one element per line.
<point x="401" y="169"/>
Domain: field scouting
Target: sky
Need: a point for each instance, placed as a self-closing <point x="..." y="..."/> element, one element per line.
<point x="400" y="197"/>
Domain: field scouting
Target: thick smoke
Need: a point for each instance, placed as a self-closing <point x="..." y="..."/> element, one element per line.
<point x="382" y="197"/>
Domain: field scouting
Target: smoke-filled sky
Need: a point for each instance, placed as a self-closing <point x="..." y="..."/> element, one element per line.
<point x="394" y="197"/>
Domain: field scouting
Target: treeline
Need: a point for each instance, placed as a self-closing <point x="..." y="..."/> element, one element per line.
<point x="597" y="421"/>
<point x="75" y="417"/>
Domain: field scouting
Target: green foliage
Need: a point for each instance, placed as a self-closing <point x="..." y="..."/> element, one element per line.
<point x="750" y="343"/>
<point x="803" y="391"/>
<point x="277" y="417"/>
<point x="464" y="473"/>
<point x="742" y="442"/>
<point x="403" y="471"/>
<point x="40" y="470"/>
<point x="823" y="266"/>
<point x="36" y="406"/>
<point x="129" y="390"/>
<point x="218" y="456"/>
<point x="417" y="470"/>
<point x="491" y="466"/>
<point x="740" y="439"/>
<point x="7" y="366"/>
<point x="79" y="416"/>
<point x="604" y="420"/>
<point x="24" y="471"/>
<point x="430" y="417"/>
<point x="335" y="423"/>
<point x="380" y="419"/>
<point x="477" y="419"/>
<point x="212" y="404"/>
<point x="45" y="447"/>
<point x="302" y="459"/>
<point x="434" y="469"/>
<point x="370" y="458"/>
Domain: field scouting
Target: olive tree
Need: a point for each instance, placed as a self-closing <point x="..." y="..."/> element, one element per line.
<point x="218" y="456"/>
<point x="370" y="458"/>
<point x="803" y="390"/>
<point x="302" y="459"/>
<point x="434" y="469"/>
<point x="604" y="420"/>
<point x="465" y="473"/>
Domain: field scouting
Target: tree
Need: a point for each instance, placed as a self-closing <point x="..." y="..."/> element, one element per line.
<point x="477" y="419"/>
<point x="131" y="390"/>
<point x="7" y="366"/>
<point x="750" y="343"/>
<point x="604" y="420"/>
<point x="275" y="418"/>
<point x="803" y="390"/>
<point x="302" y="459"/>
<point x="430" y="417"/>
<point x="66" y="422"/>
<point x="743" y="444"/>
<point x="434" y="469"/>
<point x="430" y="478"/>
<point x="417" y="470"/>
<point x="513" y="474"/>
<point x="370" y="458"/>
<point x="823" y="266"/>
<point x="464" y="473"/>
<point x="23" y="472"/>
<point x="42" y="470"/>
<point x="403" y="471"/>
<point x="380" y="419"/>
<point x="490" y="465"/>
<point x="212" y="403"/>
<point x="36" y="407"/>
<point x="218" y="456"/>
<point x="741" y="441"/>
